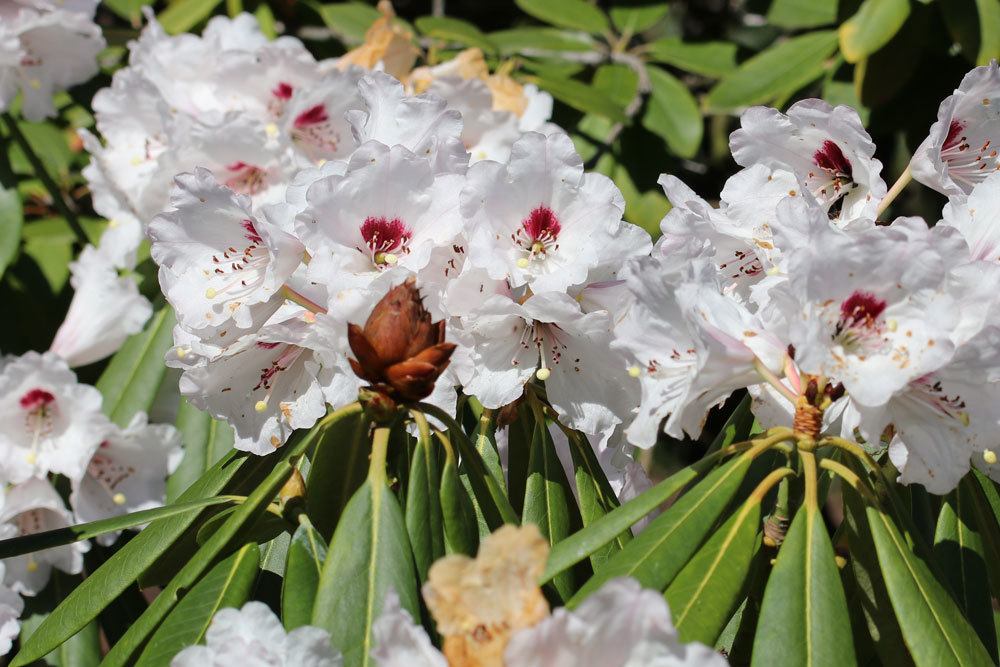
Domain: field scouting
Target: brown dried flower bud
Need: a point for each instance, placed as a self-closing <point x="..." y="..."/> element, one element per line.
<point x="400" y="351"/>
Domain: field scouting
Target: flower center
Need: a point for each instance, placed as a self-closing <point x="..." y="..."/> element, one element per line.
<point x="742" y="264"/>
<point x="928" y="389"/>
<point x="385" y="238"/>
<point x="538" y="234"/>
<point x="967" y="164"/>
<point x="280" y="95"/>
<point x="860" y="323"/>
<point x="315" y="132"/>
<point x="243" y="270"/>
<point x="107" y="472"/>
<point x="245" y="179"/>
<point x="835" y="178"/>
<point x="37" y="400"/>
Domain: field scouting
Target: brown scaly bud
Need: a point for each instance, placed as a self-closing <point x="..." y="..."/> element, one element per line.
<point x="400" y="351"/>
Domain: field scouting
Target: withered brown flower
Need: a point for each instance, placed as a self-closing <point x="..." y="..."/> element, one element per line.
<point x="400" y="351"/>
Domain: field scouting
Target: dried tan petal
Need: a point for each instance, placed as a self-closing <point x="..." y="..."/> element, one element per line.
<point x="479" y="603"/>
<point x="508" y="95"/>
<point x="468" y="64"/>
<point x="386" y="43"/>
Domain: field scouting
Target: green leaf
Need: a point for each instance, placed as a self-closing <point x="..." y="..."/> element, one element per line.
<point x="454" y="30"/>
<point x="349" y="20"/>
<point x="130" y="10"/>
<point x="461" y="530"/>
<point x="585" y="542"/>
<point x="618" y="82"/>
<point x="369" y="555"/>
<point x="782" y="68"/>
<point x="712" y="59"/>
<point x="11" y="219"/>
<point x="120" y="571"/>
<point x="82" y="649"/>
<point x="672" y="113"/>
<point x="989" y="35"/>
<point x="580" y="96"/>
<point x="631" y="20"/>
<point x="206" y="440"/>
<point x="265" y="17"/>
<point x="802" y="13"/>
<point x="339" y="467"/>
<point x="423" y="504"/>
<point x="227" y="584"/>
<point x="596" y="497"/>
<point x="871" y="599"/>
<point x="657" y="554"/>
<point x="706" y="592"/>
<point x="572" y="14"/>
<point x="803" y="619"/>
<point x="959" y="549"/>
<point x="121" y="653"/>
<point x="49" y="144"/>
<point x="548" y="497"/>
<point x="539" y="41"/>
<point x="183" y="15"/>
<point x="306" y="555"/>
<point x="132" y="378"/>
<point x="17" y="546"/>
<point x="931" y="622"/>
<point x="871" y="28"/>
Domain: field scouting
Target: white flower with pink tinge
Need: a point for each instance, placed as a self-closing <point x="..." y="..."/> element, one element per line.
<point x="389" y="209"/>
<point x="127" y="473"/>
<point x="253" y="637"/>
<point x="32" y="507"/>
<point x="48" y="421"/>
<point x="11" y="607"/>
<point x="826" y="148"/>
<point x="538" y="220"/>
<point x="106" y="309"/>
<point x="314" y="118"/>
<point x="45" y="50"/>
<point x="216" y="258"/>
<point x="963" y="146"/>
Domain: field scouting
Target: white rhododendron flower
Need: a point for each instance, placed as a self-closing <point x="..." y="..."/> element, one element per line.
<point x="961" y="149"/>
<point x="11" y="607"/>
<point x="216" y="258"/>
<point x="539" y="220"/>
<point x="127" y="473"/>
<point x="32" y="507"/>
<point x="106" y="309"/>
<point x="45" y="48"/>
<point x="48" y="421"/>
<point x="977" y="218"/>
<point x="253" y="637"/>
<point x="826" y="148"/>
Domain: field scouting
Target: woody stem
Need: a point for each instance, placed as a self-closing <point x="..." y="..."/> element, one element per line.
<point x="897" y="187"/>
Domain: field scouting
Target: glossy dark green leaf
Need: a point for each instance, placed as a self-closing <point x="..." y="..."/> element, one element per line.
<point x="424" y="523"/>
<point x="673" y="114"/>
<point x="712" y="59"/>
<point x="133" y="376"/>
<point x="572" y="14"/>
<point x="369" y="555"/>
<point x="657" y="554"/>
<point x="339" y="467"/>
<point x="349" y="20"/>
<point x="183" y="15"/>
<point x="705" y="593"/>
<point x="122" y="653"/>
<point x="454" y="30"/>
<point x="538" y="41"/>
<point x="306" y="555"/>
<point x="803" y="619"/>
<point x="461" y="529"/>
<point x="932" y="624"/>
<point x="871" y="28"/>
<point x="618" y="82"/>
<point x="780" y="69"/>
<point x="227" y="584"/>
<point x="585" y="542"/>
<point x="206" y="440"/>
<point x="548" y="498"/>
<point x="802" y="13"/>
<point x="11" y="219"/>
<point x="580" y="96"/>
<point x="82" y="649"/>
<point x="959" y="549"/>
<point x="871" y="599"/>
<point x="121" y="570"/>
<point x="632" y="20"/>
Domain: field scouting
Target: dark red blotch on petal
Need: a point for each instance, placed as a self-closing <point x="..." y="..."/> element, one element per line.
<point x="861" y="309"/>
<point x="37" y="398"/>
<point x="831" y="158"/>
<point x="542" y="223"/>
<point x="312" y="116"/>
